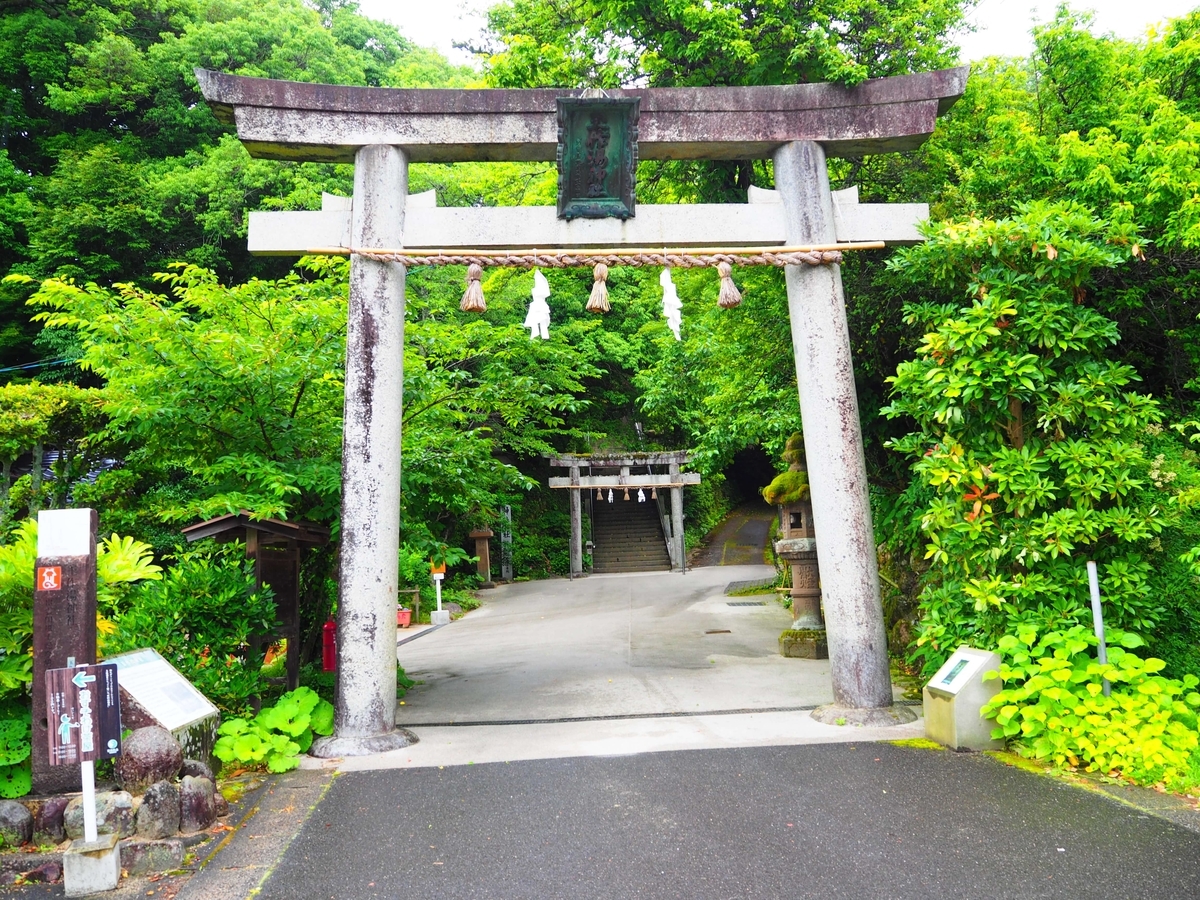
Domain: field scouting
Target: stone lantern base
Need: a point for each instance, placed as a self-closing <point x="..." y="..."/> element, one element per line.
<point x="804" y="643"/>
<point x="806" y="638"/>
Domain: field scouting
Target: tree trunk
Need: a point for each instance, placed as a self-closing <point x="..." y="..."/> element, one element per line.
<point x="1016" y="423"/>
<point x="35" y="479"/>
<point x="5" y="501"/>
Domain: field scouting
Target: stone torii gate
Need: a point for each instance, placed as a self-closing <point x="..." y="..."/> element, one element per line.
<point x="382" y="130"/>
<point x="625" y="481"/>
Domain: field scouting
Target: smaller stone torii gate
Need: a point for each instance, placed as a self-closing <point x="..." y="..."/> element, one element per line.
<point x="626" y="480"/>
<point x="382" y="130"/>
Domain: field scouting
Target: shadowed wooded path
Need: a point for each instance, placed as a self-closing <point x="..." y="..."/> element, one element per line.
<point x="740" y="540"/>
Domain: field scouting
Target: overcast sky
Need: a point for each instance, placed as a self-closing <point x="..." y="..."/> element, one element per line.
<point x="1002" y="25"/>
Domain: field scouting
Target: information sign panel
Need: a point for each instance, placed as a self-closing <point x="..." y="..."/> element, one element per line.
<point x="958" y="671"/>
<point x="83" y="709"/>
<point x="158" y="688"/>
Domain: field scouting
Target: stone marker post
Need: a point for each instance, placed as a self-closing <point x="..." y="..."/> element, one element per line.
<point x="366" y="685"/>
<point x="64" y="623"/>
<point x="862" y="685"/>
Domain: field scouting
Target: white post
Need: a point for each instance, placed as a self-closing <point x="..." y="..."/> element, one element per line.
<point x="1098" y="620"/>
<point x="369" y="576"/>
<point x="89" y="801"/>
<point x="858" y="656"/>
<point x="438" y="616"/>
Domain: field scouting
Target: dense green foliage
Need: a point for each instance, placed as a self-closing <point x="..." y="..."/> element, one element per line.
<point x="1054" y="707"/>
<point x="1036" y="361"/>
<point x="1028" y="443"/>
<point x="201" y="616"/>
<point x="276" y="737"/>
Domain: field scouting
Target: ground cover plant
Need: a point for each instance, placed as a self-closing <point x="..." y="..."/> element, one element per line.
<point x="277" y="735"/>
<point x="1055" y="707"/>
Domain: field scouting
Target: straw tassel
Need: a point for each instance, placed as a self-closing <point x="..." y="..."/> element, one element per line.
<point x="472" y="300"/>
<point x="729" y="296"/>
<point x="599" y="299"/>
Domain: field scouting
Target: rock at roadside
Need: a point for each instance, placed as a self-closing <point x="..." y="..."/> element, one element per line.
<point x="220" y="805"/>
<point x="16" y="823"/>
<point x="149" y="755"/>
<point x="197" y="769"/>
<point x="48" y="820"/>
<point x="46" y="873"/>
<point x="114" y="815"/>
<point x="158" y="816"/>
<point x="197" y="804"/>
<point x="146" y="857"/>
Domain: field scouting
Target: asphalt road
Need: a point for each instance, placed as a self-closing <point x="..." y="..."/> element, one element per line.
<point x="848" y="820"/>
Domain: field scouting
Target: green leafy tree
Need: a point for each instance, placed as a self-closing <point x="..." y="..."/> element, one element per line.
<point x="201" y="615"/>
<point x="1027" y="448"/>
<point x="614" y="43"/>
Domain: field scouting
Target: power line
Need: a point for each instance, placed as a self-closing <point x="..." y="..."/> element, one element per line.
<point x="40" y="364"/>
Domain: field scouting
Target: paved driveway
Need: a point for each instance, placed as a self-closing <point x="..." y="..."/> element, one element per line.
<point x="850" y="821"/>
<point x="606" y="665"/>
<point x="637" y="736"/>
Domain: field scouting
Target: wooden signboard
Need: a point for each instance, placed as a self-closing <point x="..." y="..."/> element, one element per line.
<point x="83" y="709"/>
<point x="64" y="626"/>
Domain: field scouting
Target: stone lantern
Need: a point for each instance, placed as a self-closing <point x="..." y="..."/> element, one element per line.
<point x="797" y="547"/>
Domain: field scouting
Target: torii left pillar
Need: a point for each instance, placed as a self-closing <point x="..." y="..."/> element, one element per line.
<point x="367" y="583"/>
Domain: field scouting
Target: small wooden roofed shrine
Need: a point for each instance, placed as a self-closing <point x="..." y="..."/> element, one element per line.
<point x="624" y="472"/>
<point x="275" y="547"/>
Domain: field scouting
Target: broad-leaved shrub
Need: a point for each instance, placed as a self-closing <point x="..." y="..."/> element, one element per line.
<point x="1053" y="706"/>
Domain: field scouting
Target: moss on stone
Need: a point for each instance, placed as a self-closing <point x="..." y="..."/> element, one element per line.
<point x="803" y="634"/>
<point x="918" y="744"/>
<point x="787" y="488"/>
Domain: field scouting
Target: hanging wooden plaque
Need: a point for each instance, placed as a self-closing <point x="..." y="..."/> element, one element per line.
<point x="597" y="157"/>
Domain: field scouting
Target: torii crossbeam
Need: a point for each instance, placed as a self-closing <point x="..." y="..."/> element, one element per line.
<point x="382" y="130"/>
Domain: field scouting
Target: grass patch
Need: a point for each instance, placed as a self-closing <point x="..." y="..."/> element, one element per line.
<point x="917" y="744"/>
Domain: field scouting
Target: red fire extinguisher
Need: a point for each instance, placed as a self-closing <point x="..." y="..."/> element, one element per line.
<point x="329" y="646"/>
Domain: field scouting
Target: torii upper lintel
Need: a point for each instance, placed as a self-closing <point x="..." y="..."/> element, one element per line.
<point x="294" y="120"/>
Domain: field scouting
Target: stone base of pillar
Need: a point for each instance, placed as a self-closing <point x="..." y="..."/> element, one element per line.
<point x="334" y="746"/>
<point x="89" y="868"/>
<point x="804" y="643"/>
<point x="833" y="714"/>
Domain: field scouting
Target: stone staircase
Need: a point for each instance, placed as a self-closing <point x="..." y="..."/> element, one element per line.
<point x="628" y="536"/>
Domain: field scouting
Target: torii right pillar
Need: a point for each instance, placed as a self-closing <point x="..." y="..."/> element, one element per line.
<point x="858" y="656"/>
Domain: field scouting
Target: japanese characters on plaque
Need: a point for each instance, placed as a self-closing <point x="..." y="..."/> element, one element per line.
<point x="597" y="157"/>
<point x="83" y="711"/>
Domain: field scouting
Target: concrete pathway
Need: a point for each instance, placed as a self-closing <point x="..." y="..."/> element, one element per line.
<point x="607" y="665"/>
